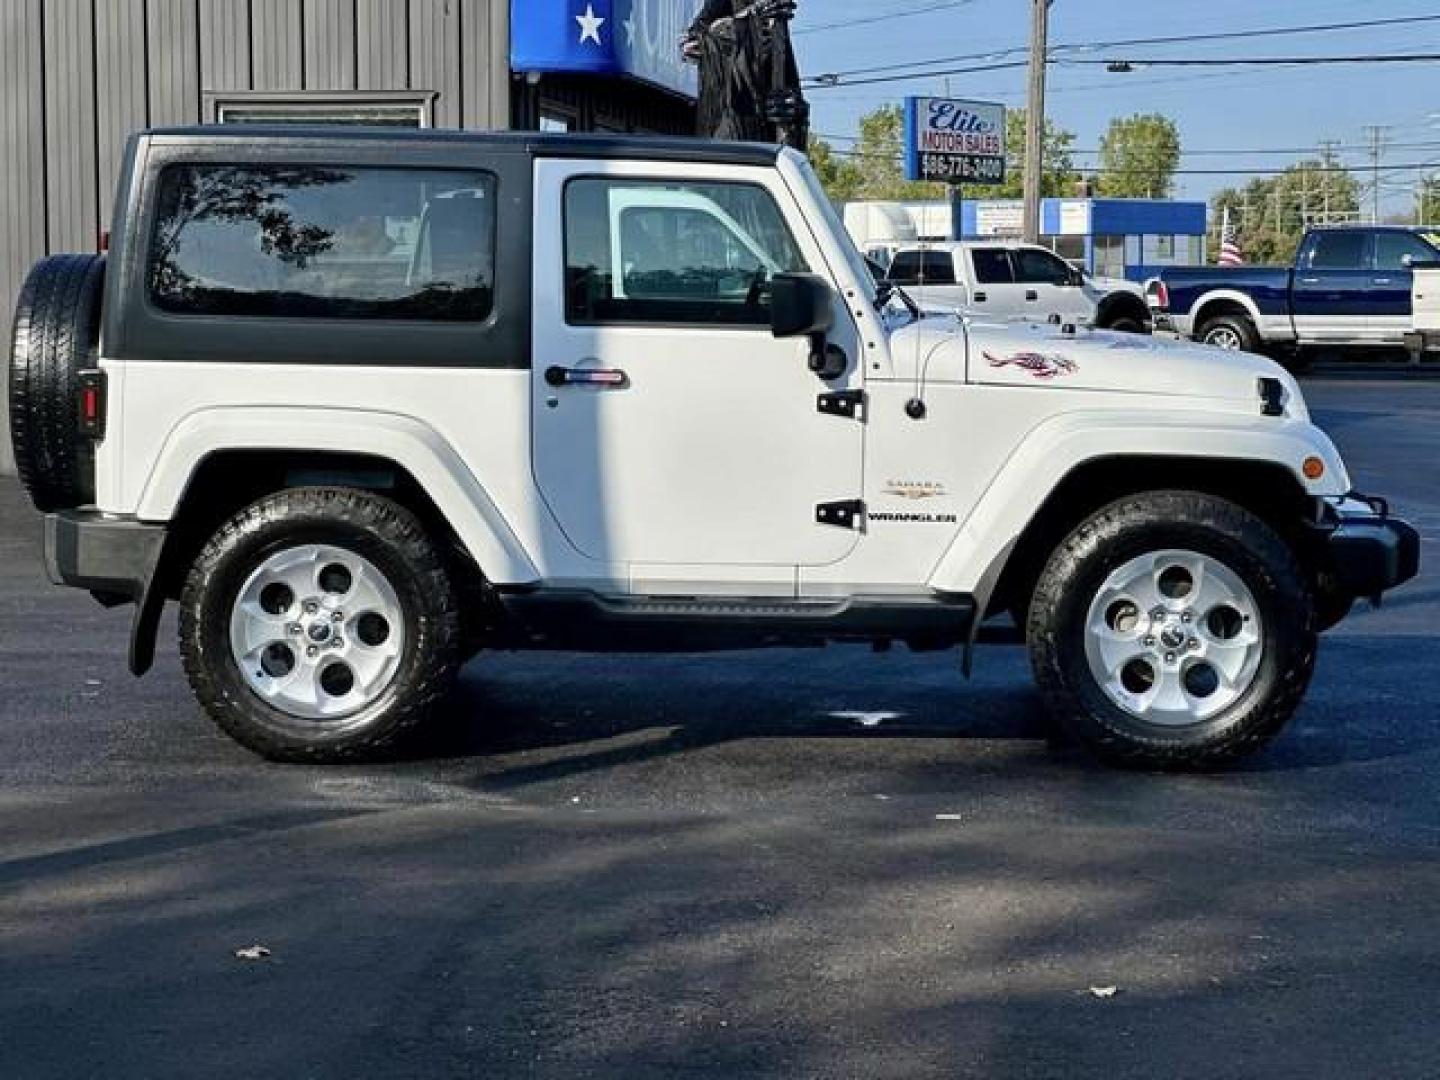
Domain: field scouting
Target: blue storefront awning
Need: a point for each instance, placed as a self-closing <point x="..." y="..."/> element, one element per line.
<point x="635" y="38"/>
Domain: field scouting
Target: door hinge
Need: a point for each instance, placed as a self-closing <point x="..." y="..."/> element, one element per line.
<point x="844" y="403"/>
<point x="844" y="514"/>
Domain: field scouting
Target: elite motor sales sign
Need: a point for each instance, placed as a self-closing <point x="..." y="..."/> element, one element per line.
<point x="954" y="142"/>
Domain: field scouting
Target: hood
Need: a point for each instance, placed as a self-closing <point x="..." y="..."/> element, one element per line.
<point x="1009" y="354"/>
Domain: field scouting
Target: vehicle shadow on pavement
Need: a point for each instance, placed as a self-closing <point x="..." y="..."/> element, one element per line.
<point x="535" y="721"/>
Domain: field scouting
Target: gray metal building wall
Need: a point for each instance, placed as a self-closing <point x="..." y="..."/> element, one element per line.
<point x="78" y="76"/>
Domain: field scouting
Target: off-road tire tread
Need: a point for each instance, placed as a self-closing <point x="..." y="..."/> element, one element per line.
<point x="441" y="638"/>
<point x="1164" y="508"/>
<point x="55" y="332"/>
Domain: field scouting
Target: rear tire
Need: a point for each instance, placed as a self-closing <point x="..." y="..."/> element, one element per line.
<point x="56" y="331"/>
<point x="1193" y="680"/>
<point x="1127" y="325"/>
<point x="1233" y="333"/>
<point x="320" y="624"/>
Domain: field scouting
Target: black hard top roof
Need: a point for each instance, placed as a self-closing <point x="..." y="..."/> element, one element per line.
<point x="537" y="143"/>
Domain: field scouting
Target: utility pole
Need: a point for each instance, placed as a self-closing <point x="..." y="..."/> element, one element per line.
<point x="1377" y="152"/>
<point x="1330" y="158"/>
<point x="1035" y="116"/>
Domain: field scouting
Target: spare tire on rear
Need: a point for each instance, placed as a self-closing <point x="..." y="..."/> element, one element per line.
<point x="55" y="338"/>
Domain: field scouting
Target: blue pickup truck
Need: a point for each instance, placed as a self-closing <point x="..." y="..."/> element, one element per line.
<point x="1350" y="287"/>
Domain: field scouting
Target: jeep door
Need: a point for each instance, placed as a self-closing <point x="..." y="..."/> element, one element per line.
<point x="670" y="427"/>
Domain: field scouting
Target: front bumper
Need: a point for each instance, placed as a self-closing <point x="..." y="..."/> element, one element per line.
<point x="1369" y="551"/>
<point x="112" y="557"/>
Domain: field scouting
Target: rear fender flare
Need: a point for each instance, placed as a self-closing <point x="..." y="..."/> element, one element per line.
<point x="417" y="448"/>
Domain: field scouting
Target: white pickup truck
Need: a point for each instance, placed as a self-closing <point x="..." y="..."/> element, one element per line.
<point x="1423" y="338"/>
<point x="367" y="403"/>
<point x="1015" y="281"/>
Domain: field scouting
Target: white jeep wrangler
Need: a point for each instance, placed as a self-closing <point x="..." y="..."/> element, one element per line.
<point x="367" y="403"/>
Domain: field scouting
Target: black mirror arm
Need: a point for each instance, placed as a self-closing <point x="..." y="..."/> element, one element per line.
<point x="826" y="360"/>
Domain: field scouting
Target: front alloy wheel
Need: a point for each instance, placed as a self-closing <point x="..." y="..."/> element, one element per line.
<point x="1172" y="629"/>
<point x="1174" y="637"/>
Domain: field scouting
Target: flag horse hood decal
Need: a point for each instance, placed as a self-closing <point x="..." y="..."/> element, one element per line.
<point x="1038" y="365"/>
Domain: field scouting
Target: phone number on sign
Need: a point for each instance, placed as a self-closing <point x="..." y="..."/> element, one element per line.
<point x="971" y="170"/>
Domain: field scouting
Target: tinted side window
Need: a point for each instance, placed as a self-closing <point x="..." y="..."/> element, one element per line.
<point x="1339" y="251"/>
<point x="906" y="266"/>
<point x="924" y="268"/>
<point x="992" y="266"/>
<point x="1392" y="247"/>
<point x="305" y="241"/>
<point x="1040" y="267"/>
<point x="654" y="252"/>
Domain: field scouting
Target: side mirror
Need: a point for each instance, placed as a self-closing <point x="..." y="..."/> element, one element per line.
<point x="804" y="304"/>
<point x="1407" y="261"/>
<point x="801" y="304"/>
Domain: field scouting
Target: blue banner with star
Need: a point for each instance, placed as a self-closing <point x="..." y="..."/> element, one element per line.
<point x="637" y="38"/>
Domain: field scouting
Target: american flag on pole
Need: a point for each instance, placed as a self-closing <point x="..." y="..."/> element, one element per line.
<point x="1231" y="254"/>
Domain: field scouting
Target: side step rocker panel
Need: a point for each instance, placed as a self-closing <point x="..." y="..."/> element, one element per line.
<point x="572" y="618"/>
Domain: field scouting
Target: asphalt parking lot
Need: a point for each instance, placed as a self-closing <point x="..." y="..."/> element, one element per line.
<point x="788" y="864"/>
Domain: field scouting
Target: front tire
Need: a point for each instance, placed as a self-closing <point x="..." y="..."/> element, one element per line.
<point x="1172" y="630"/>
<point x="320" y="624"/>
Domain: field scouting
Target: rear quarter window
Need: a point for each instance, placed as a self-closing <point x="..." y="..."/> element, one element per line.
<point x="323" y="242"/>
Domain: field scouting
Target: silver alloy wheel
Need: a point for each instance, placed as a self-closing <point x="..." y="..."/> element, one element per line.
<point x="1174" y="637"/>
<point x="317" y="631"/>
<point x="1225" y="337"/>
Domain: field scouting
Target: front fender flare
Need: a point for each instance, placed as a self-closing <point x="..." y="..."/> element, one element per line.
<point x="975" y="558"/>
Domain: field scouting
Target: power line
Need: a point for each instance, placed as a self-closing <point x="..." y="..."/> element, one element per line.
<point x="1229" y="151"/>
<point x="1130" y="64"/>
<point x="866" y="20"/>
<point x="1300" y="167"/>
<point x="999" y="54"/>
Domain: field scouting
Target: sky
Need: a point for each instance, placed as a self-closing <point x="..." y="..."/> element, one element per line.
<point x="1248" y="109"/>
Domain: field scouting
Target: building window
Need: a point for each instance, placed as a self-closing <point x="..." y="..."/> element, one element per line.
<point x="1110" y="256"/>
<point x="673" y="252"/>
<point x="1165" y="247"/>
<point x="316" y="242"/>
<point x="395" y="110"/>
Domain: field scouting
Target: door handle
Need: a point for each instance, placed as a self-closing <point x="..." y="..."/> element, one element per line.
<point x="1381" y="281"/>
<point x="1031" y="294"/>
<point x="603" y="378"/>
<point x="981" y="297"/>
<point x="1309" y="281"/>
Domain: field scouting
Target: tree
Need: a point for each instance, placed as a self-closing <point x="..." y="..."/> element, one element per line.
<point x="1427" y="201"/>
<point x="1138" y="157"/>
<point x="878" y="159"/>
<point x="1271" y="213"/>
<point x="839" y="176"/>
<point x="1058" y="177"/>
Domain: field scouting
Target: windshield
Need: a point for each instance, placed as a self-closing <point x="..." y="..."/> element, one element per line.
<point x="858" y="265"/>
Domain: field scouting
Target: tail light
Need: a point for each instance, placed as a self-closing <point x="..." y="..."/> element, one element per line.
<point x="91" y="406"/>
<point x="1157" y="295"/>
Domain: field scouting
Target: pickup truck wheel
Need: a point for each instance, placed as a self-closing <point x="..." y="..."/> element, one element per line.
<point x="1232" y="333"/>
<point x="319" y="624"/>
<point x="1126" y="324"/>
<point x="1172" y="630"/>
